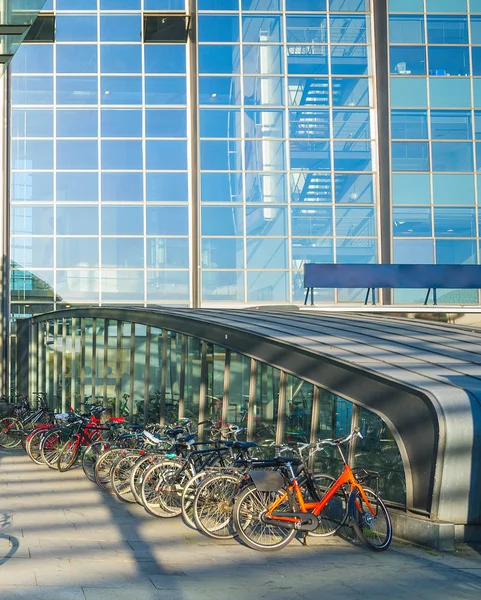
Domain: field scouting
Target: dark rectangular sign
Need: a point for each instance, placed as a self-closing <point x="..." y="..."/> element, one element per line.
<point x="392" y="276"/>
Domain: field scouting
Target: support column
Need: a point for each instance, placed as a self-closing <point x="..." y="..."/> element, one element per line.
<point x="4" y="234"/>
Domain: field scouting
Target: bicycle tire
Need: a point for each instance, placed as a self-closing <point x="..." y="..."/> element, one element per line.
<point x="120" y="477"/>
<point x="213" y="506"/>
<point x="68" y="455"/>
<point x="33" y="445"/>
<point x="152" y="480"/>
<point x="335" y="513"/>
<point x="50" y="447"/>
<point x="90" y="457"/>
<point x="374" y="530"/>
<point x="249" y="507"/>
<point x="188" y="496"/>
<point x="141" y="466"/>
<point x="9" y="440"/>
<point x="103" y="467"/>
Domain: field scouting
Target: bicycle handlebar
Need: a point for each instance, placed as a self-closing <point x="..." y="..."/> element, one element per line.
<point x="355" y="432"/>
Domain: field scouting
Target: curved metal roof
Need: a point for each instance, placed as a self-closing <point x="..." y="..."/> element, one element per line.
<point x="422" y="378"/>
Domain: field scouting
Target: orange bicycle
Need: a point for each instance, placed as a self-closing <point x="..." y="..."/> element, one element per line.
<point x="269" y="513"/>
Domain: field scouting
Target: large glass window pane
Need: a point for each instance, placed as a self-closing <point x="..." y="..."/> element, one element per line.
<point x="354" y="188"/>
<point x="222" y="220"/>
<point x="356" y="251"/>
<point x="192" y="378"/>
<point x="310" y="156"/>
<point x="223" y="286"/>
<point x="265" y="91"/>
<point x="76" y="58"/>
<point x="32" y="154"/>
<point x="311" y="187"/>
<point x="267" y="286"/>
<point x="166" y="123"/>
<point x="265" y="187"/>
<point x="353" y="156"/>
<point x="349" y="29"/>
<point x="311" y="222"/>
<point x="475" y="29"/>
<point x="165" y="58"/>
<point x="32" y="252"/>
<point x="454" y="222"/>
<point x="449" y="60"/>
<point x="263" y="60"/>
<point x="127" y="285"/>
<point x="120" y="90"/>
<point x="444" y="29"/>
<point x="32" y="123"/>
<point x="239" y="380"/>
<point x="306" y="123"/>
<point x="218" y="28"/>
<point x="264" y="155"/>
<point x="298" y="414"/>
<point x="77" y="252"/>
<point x="121" y="155"/>
<point x="411" y="188"/>
<point x="349" y="91"/>
<point x="265" y="28"/>
<point x="165" y="90"/>
<point x="34" y="220"/>
<point x="350" y="60"/>
<point x="446" y="6"/>
<point x="302" y="61"/>
<point x="167" y="187"/>
<point x="118" y="58"/>
<point x="221" y="187"/>
<point x="308" y="91"/>
<point x="123" y="252"/>
<point x="409" y="125"/>
<point x="76" y="28"/>
<point x="453" y="189"/>
<point x="409" y="91"/>
<point x="306" y="29"/>
<point x="451" y="125"/>
<point x="34" y="58"/>
<point x="121" y="123"/>
<point x="77" y="187"/>
<point x="311" y="250"/>
<point x="408" y="60"/>
<point x="410" y="156"/>
<point x="77" y="90"/>
<point x="263" y="221"/>
<point x="77" y="154"/>
<point x="264" y="124"/>
<point x="222" y="253"/>
<point x="219" y="59"/>
<point x="120" y="28"/>
<point x="36" y="286"/>
<point x="167" y="253"/>
<point x="221" y="155"/>
<point x="77" y="123"/>
<point x="166" y="155"/>
<point x="355" y="222"/>
<point x="77" y="220"/>
<point x="413" y="222"/>
<point x="412" y="252"/>
<point x="450" y="93"/>
<point x="220" y="123"/>
<point x="31" y="186"/>
<point x="265" y="253"/>
<point x="452" y="156"/>
<point x="406" y="29"/>
<point x="122" y="187"/>
<point x="456" y="252"/>
<point x="32" y="90"/>
<point x="122" y="220"/>
<point x="220" y="90"/>
<point x="167" y="220"/>
<point x="351" y="124"/>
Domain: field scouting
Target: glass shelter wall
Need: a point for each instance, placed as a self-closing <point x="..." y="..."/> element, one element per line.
<point x="149" y="374"/>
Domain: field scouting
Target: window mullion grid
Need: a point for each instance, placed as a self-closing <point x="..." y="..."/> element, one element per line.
<point x="331" y="144"/>
<point x="144" y="164"/>
<point x="287" y="157"/>
<point x="243" y="159"/>
<point x="430" y="149"/>
<point x="54" y="174"/>
<point x="99" y="165"/>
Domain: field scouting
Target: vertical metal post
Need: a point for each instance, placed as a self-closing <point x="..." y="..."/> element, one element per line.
<point x="41" y="357"/>
<point x="132" y="371"/>
<point x="94" y="359"/>
<point x="225" y="397"/>
<point x="64" y="364"/>
<point x="33" y="359"/>
<point x="163" y="378"/>
<point x="203" y="386"/>
<point x="73" y="365"/>
<point x="118" y="367"/>
<point x="55" y="361"/>
<point x="252" y="401"/>
<point x="281" y="408"/>
<point x="106" y="362"/>
<point x="316" y="411"/>
<point x="148" y="333"/>
<point x="353" y="444"/>
<point x="82" y="362"/>
<point x="182" y="376"/>
<point x="46" y="326"/>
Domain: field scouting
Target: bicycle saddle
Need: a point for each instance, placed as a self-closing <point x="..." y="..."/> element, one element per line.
<point x="152" y="438"/>
<point x="187" y="438"/>
<point x="174" y="432"/>
<point x="283" y="460"/>
<point x="244" y="445"/>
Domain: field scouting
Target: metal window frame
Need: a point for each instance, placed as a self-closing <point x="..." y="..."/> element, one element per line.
<point x="172" y="15"/>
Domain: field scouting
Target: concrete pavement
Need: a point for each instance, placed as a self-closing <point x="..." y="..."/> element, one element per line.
<point x="61" y="538"/>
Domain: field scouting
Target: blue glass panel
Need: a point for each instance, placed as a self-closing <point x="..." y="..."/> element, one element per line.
<point x="32" y="252"/>
<point x="220" y="123"/>
<point x="453" y="189"/>
<point x="119" y="4"/>
<point x="406" y="5"/>
<point x="120" y="28"/>
<point x="120" y="90"/>
<point x="406" y="29"/>
<point x="220" y="90"/>
<point x="218" y="4"/>
<point x="347" y="5"/>
<point x="476" y="60"/>
<point x="77" y="90"/>
<point x="311" y="187"/>
<point x="408" y="60"/>
<point x="118" y="58"/>
<point x="222" y="253"/>
<point x="475" y="29"/>
<point x="310" y="156"/>
<point x="309" y="91"/>
<point x="311" y="250"/>
<point x="166" y="155"/>
<point x="77" y="154"/>
<point x="314" y="5"/>
<point x="31" y="187"/>
<point x="220" y="155"/>
<point x="165" y="123"/>
<point x="77" y="220"/>
<point x="446" y="6"/>
<point x="261" y="5"/>
<point x="32" y="220"/>
<point x="75" y="28"/>
<point x="123" y="252"/>
<point x="218" y="28"/>
<point x="76" y="4"/>
<point x="412" y="222"/>
<point x="412" y="252"/>
<point x="126" y="285"/>
<point x="32" y="154"/>
<point x="263" y="60"/>
<point x="264" y="155"/>
<point x="443" y="29"/>
<point x="77" y="187"/>
<point x="76" y="58"/>
<point x="264" y="91"/>
<point x="449" y="60"/>
<point x="477" y="124"/>
<point x="354" y="188"/>
<point x="408" y="91"/>
<point x="305" y="29"/>
<point x="451" y="156"/>
<point x="32" y="90"/>
<point x="164" y="5"/>
<point x="449" y="93"/>
<point x="165" y="90"/>
<point x="351" y="124"/>
<point x="122" y="220"/>
<point x="409" y="125"/>
<point x="456" y="252"/>
<point x="168" y="253"/>
<point x="355" y="222"/>
<point x="221" y="187"/>
<point x="78" y="285"/>
<point x="122" y="155"/>
<point x="350" y="60"/>
<point x="77" y="123"/>
<point x="221" y="286"/>
<point x="33" y="58"/>
<point x="410" y="156"/>
<point x="265" y="28"/>
<point x="167" y="220"/>
<point x="306" y="60"/>
<point x="264" y="124"/>
<point x="219" y="59"/>
<point x="167" y="187"/>
<point x="266" y="253"/>
<point x="165" y="58"/>
<point x="478" y="156"/>
<point x="351" y="30"/>
<point x="352" y="250"/>
<point x="168" y="286"/>
<point x="350" y="91"/>
<point x="454" y="222"/>
<point x="121" y="123"/>
<point x="312" y="221"/>
<point x="264" y="220"/>
<point x="451" y="125"/>
<point x="32" y="123"/>
<point x="122" y="187"/>
<point x="412" y="188"/>
<point x="265" y="187"/>
<point x="352" y="156"/>
<point x="265" y="286"/>
<point x="305" y="124"/>
<point x="77" y="252"/>
<point x="222" y="220"/>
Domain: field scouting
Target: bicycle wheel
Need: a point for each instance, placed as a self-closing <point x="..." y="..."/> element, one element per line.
<point x="9" y="426"/>
<point x="334" y="514"/>
<point x="249" y="508"/>
<point x="120" y="476"/>
<point x="26" y="431"/>
<point x="188" y="496"/>
<point x="50" y="447"/>
<point x="371" y="522"/>
<point x="91" y="455"/>
<point x="33" y="445"/>
<point x="103" y="467"/>
<point x="159" y="473"/>
<point x="68" y="455"/>
<point x="213" y="506"/>
<point x="141" y="466"/>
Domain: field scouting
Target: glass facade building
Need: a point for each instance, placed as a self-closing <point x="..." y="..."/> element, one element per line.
<point x="207" y="171"/>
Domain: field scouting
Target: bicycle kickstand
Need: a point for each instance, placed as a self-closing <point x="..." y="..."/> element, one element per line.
<point x="304" y="538"/>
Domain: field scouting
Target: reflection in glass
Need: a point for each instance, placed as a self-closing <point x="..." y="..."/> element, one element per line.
<point x="123" y="252"/>
<point x="356" y="251"/>
<point x="36" y="186"/>
<point x="267" y="286"/>
<point x="265" y="220"/>
<point x="411" y="252"/>
<point x="312" y="221"/>
<point x="167" y="220"/>
<point x="166" y="187"/>
<point x="32" y="220"/>
<point x="454" y="222"/>
<point x="192" y="378"/>
<point x="453" y="189"/>
<point x="223" y="286"/>
<point x="222" y="253"/>
<point x="118" y="89"/>
<point x="266" y="403"/>
<point x="266" y="253"/>
<point x="118" y="285"/>
<point x="167" y="253"/>
<point x="265" y="187"/>
<point x="410" y="156"/>
<point x="456" y="252"/>
<point x="168" y="286"/>
<point x="239" y="380"/>
<point x="221" y="187"/>
<point x="77" y="252"/>
<point x="311" y="250"/>
<point x="77" y="220"/>
<point x="411" y="188"/>
<point x="263" y="60"/>
<point x="122" y="220"/>
<point x="452" y="156"/>
<point x="298" y="413"/>
<point x="221" y="220"/>
<point x="121" y="187"/>
<point x="414" y="222"/>
<point x="355" y="222"/>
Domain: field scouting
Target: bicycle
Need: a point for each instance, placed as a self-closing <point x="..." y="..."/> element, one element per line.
<point x="269" y="513"/>
<point x="13" y="429"/>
